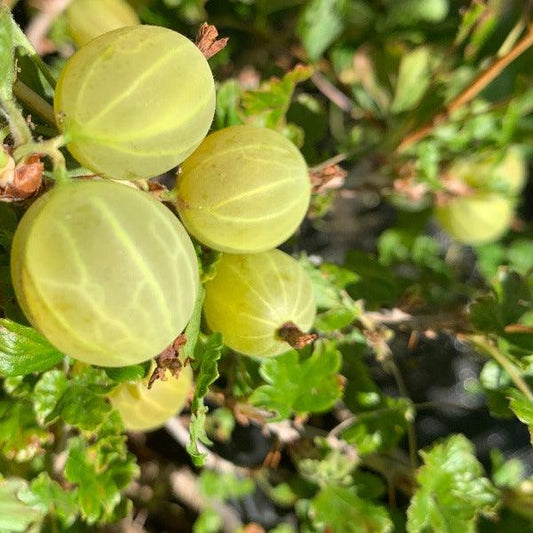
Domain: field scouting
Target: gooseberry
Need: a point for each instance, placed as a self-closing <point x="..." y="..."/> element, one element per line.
<point x="135" y="102"/>
<point x="252" y="296"/>
<point x="104" y="271"/>
<point x="87" y="19"/>
<point x="488" y="171"/>
<point x="145" y="409"/>
<point x="244" y="190"/>
<point x="477" y="219"/>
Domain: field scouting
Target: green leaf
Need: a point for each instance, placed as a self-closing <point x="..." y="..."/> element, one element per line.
<point x="23" y="350"/>
<point x="83" y="402"/>
<point x="506" y="307"/>
<point x="336" y="319"/>
<point x="206" y="366"/>
<point x="128" y="373"/>
<point x="209" y="521"/>
<point x="268" y="105"/>
<point x="382" y="429"/>
<point x="47" y="392"/>
<point x="52" y="498"/>
<point x="224" y="486"/>
<point x="505" y="473"/>
<point x="16" y="515"/>
<point x="300" y="386"/>
<point x="413" y="79"/>
<point x="228" y="101"/>
<point x="496" y="384"/>
<point x="329" y="283"/>
<point x="522" y="407"/>
<point x="100" y="471"/>
<point x="320" y="23"/>
<point x="21" y="438"/>
<point x="335" y="468"/>
<point x="341" y="510"/>
<point x="453" y="492"/>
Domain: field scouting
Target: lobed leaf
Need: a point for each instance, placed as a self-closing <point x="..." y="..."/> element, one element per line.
<point x="80" y="401"/>
<point x="100" y="471"/>
<point x="300" y="386"/>
<point x="381" y="429"/>
<point x="55" y="500"/>
<point x="341" y="510"/>
<point x="206" y="367"/>
<point x="21" y="437"/>
<point x="268" y="105"/>
<point x="453" y="492"/>
<point x="16" y="515"/>
<point x="506" y="309"/>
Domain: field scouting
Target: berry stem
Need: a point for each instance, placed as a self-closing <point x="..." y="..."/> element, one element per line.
<point x="50" y="148"/>
<point x="293" y="335"/>
<point x="34" y="102"/>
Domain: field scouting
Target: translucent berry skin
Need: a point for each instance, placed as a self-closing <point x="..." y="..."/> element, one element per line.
<point x="477" y="219"/>
<point x="87" y="19"/>
<point x="244" y="190"/>
<point x="144" y="409"/>
<point x="507" y="175"/>
<point x="135" y="102"/>
<point x="253" y="295"/>
<point x="105" y="272"/>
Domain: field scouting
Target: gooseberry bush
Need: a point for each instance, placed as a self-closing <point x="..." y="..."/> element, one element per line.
<point x="281" y="282"/>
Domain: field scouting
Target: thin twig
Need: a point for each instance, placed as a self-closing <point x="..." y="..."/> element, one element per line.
<point x="443" y="405"/>
<point x="516" y="31"/>
<point x="335" y="160"/>
<point x="331" y="92"/>
<point x="184" y="485"/>
<point x="213" y="461"/>
<point x="41" y="23"/>
<point x="479" y="83"/>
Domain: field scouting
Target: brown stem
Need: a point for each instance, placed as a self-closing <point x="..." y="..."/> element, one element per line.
<point x="294" y="336"/>
<point x="479" y="83"/>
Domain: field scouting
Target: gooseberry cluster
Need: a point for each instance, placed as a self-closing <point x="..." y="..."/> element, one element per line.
<point x="106" y="272"/>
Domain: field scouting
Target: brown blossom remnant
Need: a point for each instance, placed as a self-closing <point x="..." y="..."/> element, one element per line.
<point x="410" y="188"/>
<point x="327" y="178"/>
<point x="21" y="181"/>
<point x="453" y="188"/>
<point x="207" y="41"/>
<point x="168" y="359"/>
<point x="294" y="336"/>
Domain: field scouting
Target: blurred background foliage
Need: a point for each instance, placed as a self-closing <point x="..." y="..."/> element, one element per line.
<point x="403" y="109"/>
